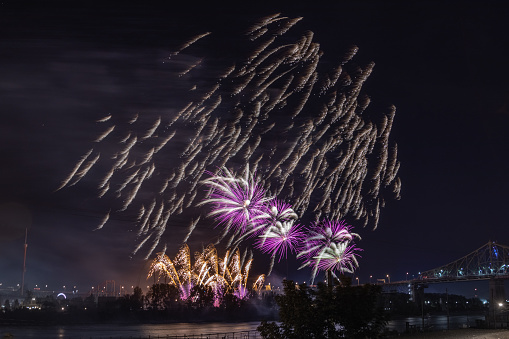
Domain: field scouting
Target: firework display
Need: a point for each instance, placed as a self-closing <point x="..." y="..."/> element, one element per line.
<point x="271" y="219"/>
<point x="268" y="109"/>
<point x="229" y="274"/>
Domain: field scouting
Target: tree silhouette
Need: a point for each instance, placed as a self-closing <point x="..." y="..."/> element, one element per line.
<point x="160" y="296"/>
<point x="342" y="311"/>
<point x="136" y="299"/>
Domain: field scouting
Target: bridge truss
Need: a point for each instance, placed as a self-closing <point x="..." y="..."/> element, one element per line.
<point x="488" y="261"/>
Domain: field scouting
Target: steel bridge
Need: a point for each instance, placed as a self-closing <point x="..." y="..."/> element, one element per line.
<point x="487" y="262"/>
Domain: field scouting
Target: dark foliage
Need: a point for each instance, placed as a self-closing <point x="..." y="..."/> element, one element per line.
<point x="162" y="296"/>
<point x="358" y="311"/>
<point x="327" y="312"/>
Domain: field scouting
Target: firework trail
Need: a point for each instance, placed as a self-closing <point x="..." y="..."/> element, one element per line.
<point x="191" y="229"/>
<point x="185" y="290"/>
<point x="160" y="265"/>
<point x="307" y="132"/>
<point x="258" y="284"/>
<point x="329" y="246"/>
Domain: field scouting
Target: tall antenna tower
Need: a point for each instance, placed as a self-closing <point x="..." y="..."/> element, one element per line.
<point x="24" y="262"/>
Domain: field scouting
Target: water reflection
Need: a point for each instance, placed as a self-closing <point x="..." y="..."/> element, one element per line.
<point x="434" y="322"/>
<point x="126" y="331"/>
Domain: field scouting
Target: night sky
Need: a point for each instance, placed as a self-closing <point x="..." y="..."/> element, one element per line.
<point x="442" y="64"/>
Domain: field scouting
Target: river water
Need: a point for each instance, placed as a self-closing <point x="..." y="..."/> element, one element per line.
<point x="203" y="330"/>
<point x="435" y="322"/>
<point x="214" y="330"/>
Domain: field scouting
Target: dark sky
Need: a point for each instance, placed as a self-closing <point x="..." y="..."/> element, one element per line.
<point x="442" y="64"/>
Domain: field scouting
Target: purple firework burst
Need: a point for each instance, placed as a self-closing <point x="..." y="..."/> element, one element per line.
<point x="275" y="211"/>
<point x="280" y="237"/>
<point x="278" y="210"/>
<point x="322" y="234"/>
<point x="329" y="247"/>
<point x="338" y="257"/>
<point x="276" y="230"/>
<point x="236" y="201"/>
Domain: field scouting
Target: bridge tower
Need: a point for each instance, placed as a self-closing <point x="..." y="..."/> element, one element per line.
<point x="417" y="291"/>
<point x="497" y="299"/>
